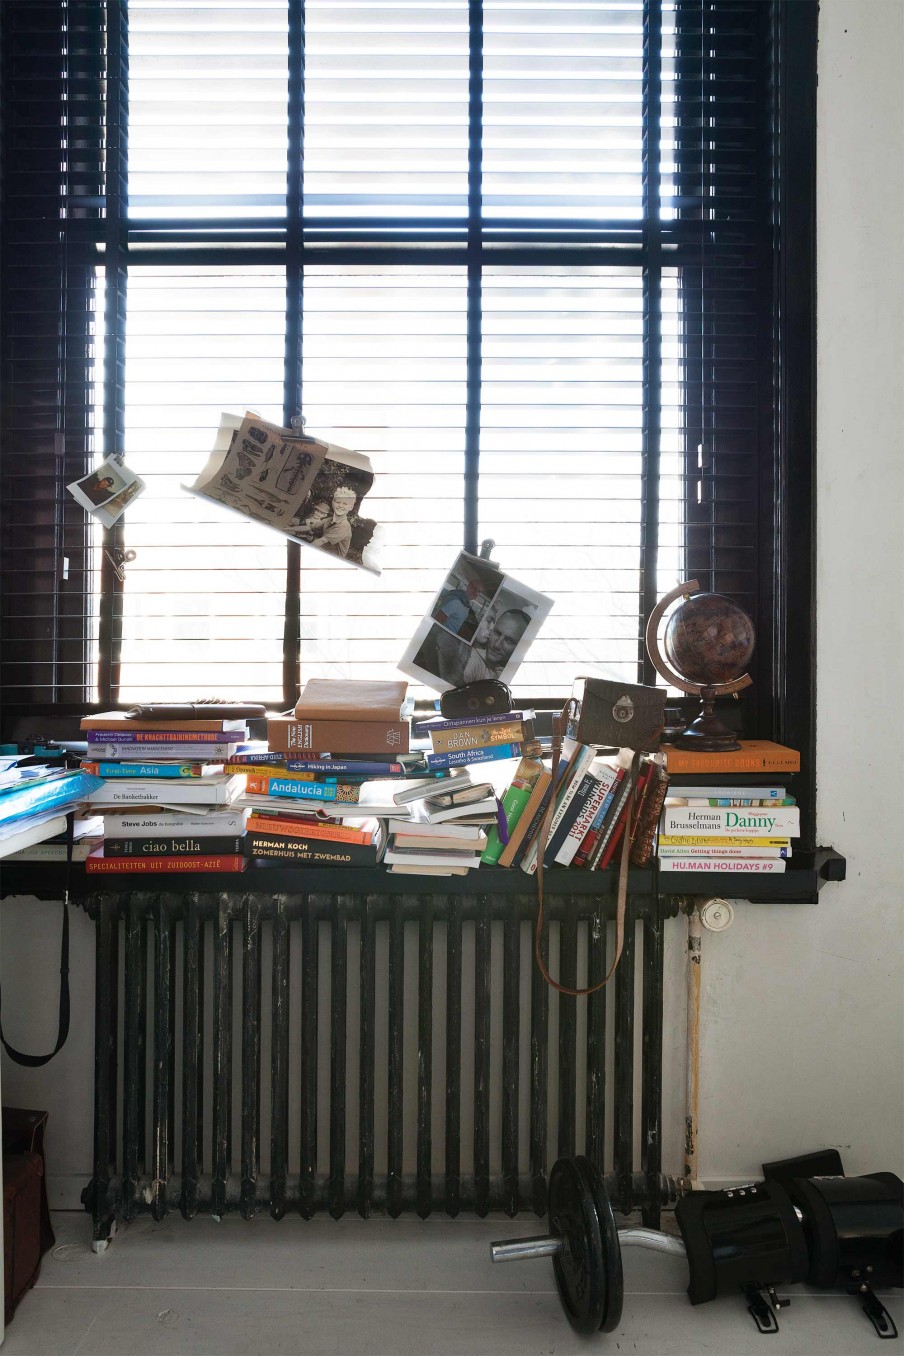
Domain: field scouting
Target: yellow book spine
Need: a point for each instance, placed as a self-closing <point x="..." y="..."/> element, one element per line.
<point x="266" y="770"/>
<point x="712" y="840"/>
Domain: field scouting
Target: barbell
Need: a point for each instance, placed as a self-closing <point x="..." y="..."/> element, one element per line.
<point x="830" y="1231"/>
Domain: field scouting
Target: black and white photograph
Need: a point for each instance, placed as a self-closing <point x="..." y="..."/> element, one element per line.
<point x="330" y="517"/>
<point x="480" y="625"/>
<point x="107" y="491"/>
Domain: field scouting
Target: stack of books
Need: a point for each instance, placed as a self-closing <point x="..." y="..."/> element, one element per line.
<point x="35" y="799"/>
<point x="329" y="768"/>
<point x="444" y="828"/>
<point x="729" y="811"/>
<point x="476" y="739"/>
<point x="167" y="800"/>
<point x="592" y="809"/>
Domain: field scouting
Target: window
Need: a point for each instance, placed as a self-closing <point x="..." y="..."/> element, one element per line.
<point x="531" y="257"/>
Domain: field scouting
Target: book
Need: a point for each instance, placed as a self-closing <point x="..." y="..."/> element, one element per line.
<point x="678" y="819"/>
<point x="723" y="802"/>
<point x="421" y="790"/>
<point x="717" y="790"/>
<point x="116" y="721"/>
<point x="363" y="831"/>
<point x="626" y="820"/>
<point x="346" y="767"/>
<point x="466" y="757"/>
<point x="439" y="814"/>
<point x="183" y="845"/>
<point x="219" y="790"/>
<point x="603" y="783"/>
<point x="285" y="734"/>
<point x="130" y="735"/>
<point x="351" y="699"/>
<point x="29" y="800"/>
<point x="428" y="727"/>
<point x="97" y="862"/>
<point x="754" y="755"/>
<point x="667" y="853"/>
<point x="375" y="801"/>
<point x="207" y="823"/>
<point x="611" y="827"/>
<point x="216" y="753"/>
<point x="481" y="736"/>
<point x="261" y="784"/>
<point x="713" y="840"/>
<point x="514" y="803"/>
<point x="421" y="870"/>
<point x="439" y="842"/>
<point x="648" y="818"/>
<point x="422" y="856"/>
<point x="172" y="771"/>
<point x="30" y="834"/>
<point x="51" y="851"/>
<point x="530" y="816"/>
<point x="760" y="865"/>
<point x="449" y="830"/>
<point x="577" y="798"/>
<point x="280" y="849"/>
<point x="591" y="837"/>
<point x="577" y="760"/>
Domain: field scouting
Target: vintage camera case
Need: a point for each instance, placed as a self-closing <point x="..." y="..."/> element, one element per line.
<point x="621" y="715"/>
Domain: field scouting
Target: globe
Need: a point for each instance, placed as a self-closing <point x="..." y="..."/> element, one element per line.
<point x="708" y="639"/>
<point x="707" y="643"/>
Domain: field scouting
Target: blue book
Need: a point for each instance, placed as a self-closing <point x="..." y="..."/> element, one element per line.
<point x="149" y="769"/>
<point x="63" y="791"/>
<point x="349" y="768"/>
<point x="463" y="756"/>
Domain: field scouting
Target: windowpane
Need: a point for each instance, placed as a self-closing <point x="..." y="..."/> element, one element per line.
<point x="207" y="108"/>
<point x="203" y="603"/>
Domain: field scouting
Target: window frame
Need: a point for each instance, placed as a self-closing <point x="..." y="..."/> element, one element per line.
<point x="782" y="702"/>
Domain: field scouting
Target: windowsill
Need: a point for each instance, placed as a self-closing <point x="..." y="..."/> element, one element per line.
<point x="800" y="884"/>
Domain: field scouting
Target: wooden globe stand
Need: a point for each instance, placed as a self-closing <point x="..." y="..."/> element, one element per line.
<point x="707" y="733"/>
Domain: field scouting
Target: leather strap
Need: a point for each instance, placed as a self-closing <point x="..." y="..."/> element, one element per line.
<point x="558" y="728"/>
<point x="35" y="1061"/>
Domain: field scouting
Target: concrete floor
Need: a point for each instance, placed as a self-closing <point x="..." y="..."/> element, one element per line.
<point x="375" y="1287"/>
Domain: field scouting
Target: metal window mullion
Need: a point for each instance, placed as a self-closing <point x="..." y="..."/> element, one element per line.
<point x="651" y="423"/>
<point x="116" y="277"/>
<point x="474" y="299"/>
<point x="292" y="375"/>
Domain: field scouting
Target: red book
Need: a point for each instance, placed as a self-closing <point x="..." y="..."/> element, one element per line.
<point x="310" y="828"/>
<point x="96" y="861"/>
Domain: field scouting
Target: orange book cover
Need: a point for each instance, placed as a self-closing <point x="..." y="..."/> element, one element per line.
<point x="308" y="828"/>
<point x="754" y="755"/>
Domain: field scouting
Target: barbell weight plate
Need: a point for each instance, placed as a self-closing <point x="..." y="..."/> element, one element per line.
<point x="588" y="1270"/>
<point x="612" y="1257"/>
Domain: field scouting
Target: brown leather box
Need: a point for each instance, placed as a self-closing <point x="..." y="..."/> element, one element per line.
<point x="27" y="1233"/>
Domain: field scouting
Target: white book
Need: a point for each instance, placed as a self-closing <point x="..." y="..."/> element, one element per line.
<point x="55" y="852"/>
<point x="741" y="822"/>
<point x="171" y="824"/>
<point x="420" y="790"/>
<point x="430" y="870"/>
<point x="762" y="866"/>
<point x="425" y="857"/>
<point x="604" y="775"/>
<point x="219" y="790"/>
<point x="665" y="853"/>
<point x="452" y="812"/>
<point x="160" y="753"/>
<point x="36" y="830"/>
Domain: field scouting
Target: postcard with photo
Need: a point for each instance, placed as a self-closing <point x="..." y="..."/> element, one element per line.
<point x="107" y="491"/>
<point x="310" y="491"/>
<point x="480" y="625"/>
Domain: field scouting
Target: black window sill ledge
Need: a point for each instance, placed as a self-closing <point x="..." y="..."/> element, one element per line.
<point x="800" y="884"/>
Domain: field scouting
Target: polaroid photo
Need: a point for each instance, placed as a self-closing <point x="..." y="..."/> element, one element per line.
<point x="480" y="625"/>
<point x="107" y="491"/>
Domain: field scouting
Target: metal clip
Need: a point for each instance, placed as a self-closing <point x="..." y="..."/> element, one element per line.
<point x="487" y="547"/>
<point x="876" y="1312"/>
<point x="761" y="1312"/>
<point x="119" y="560"/>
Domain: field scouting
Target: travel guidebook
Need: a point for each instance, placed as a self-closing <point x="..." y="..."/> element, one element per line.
<point x="310" y="491"/>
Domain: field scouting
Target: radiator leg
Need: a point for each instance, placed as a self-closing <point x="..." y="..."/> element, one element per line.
<point x="100" y="1197"/>
<point x="624" y="1069"/>
<point x="453" y="1059"/>
<point x="482" y="1059"/>
<point x="279" y="1080"/>
<point x="651" y="1093"/>
<point x="511" y="996"/>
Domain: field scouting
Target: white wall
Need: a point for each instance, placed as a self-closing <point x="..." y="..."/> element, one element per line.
<point x="802" y="1007"/>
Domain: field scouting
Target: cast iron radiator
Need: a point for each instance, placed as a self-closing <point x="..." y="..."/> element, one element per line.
<point x="373" y="1053"/>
